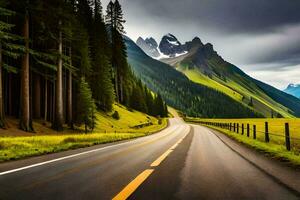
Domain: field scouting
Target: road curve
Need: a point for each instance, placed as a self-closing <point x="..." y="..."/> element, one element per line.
<point x="181" y="162"/>
<point x="100" y="174"/>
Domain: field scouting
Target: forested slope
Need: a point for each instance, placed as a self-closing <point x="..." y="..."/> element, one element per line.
<point x="181" y="93"/>
<point x="61" y="61"/>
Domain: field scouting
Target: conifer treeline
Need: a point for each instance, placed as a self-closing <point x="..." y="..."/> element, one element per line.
<point x="60" y="60"/>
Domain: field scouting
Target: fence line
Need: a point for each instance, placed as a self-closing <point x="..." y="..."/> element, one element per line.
<point x="245" y="129"/>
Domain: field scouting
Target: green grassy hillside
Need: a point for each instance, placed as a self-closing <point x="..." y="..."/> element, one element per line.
<point x="181" y="93"/>
<point x="128" y="122"/>
<point x="261" y="101"/>
<point x="204" y="66"/>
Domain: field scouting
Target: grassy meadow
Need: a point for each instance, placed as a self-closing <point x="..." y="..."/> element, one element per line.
<point x="132" y="124"/>
<point x="237" y="91"/>
<point x="276" y="147"/>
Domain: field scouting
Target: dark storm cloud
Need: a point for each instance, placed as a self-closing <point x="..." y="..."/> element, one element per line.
<point x="248" y="33"/>
<point x="232" y="16"/>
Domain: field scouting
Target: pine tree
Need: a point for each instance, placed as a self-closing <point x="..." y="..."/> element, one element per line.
<point x="115" y="21"/>
<point x="149" y="101"/>
<point x="8" y="48"/>
<point x="160" y="106"/>
<point x="26" y="118"/>
<point x="23" y="10"/>
<point x="251" y="102"/>
<point x="57" y="29"/>
<point x="70" y="94"/>
<point x="118" y="18"/>
<point x="86" y="107"/>
<point x="102" y="91"/>
<point x="137" y="100"/>
<point x="85" y="13"/>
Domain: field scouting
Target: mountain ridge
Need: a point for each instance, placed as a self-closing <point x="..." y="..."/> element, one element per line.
<point x="293" y="89"/>
<point x="181" y="93"/>
<point x="204" y="66"/>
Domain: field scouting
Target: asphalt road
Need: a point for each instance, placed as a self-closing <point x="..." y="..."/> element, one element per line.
<point x="181" y="162"/>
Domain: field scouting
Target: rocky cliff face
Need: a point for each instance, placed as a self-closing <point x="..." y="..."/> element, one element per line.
<point x="170" y="46"/>
<point x="149" y="46"/>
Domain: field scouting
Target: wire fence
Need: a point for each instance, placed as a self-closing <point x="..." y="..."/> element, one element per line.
<point x="260" y="131"/>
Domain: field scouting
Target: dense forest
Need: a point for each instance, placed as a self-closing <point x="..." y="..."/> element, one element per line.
<point x="62" y="60"/>
<point x="181" y="93"/>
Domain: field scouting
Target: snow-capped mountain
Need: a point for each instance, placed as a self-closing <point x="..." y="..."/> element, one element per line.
<point x="293" y="89"/>
<point x="149" y="46"/>
<point x="171" y="47"/>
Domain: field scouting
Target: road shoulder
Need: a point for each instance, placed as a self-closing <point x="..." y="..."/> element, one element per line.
<point x="280" y="172"/>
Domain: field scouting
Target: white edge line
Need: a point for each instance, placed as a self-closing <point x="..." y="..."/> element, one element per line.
<point x="71" y="156"/>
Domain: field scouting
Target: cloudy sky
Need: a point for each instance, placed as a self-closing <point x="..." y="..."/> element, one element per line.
<point x="262" y="37"/>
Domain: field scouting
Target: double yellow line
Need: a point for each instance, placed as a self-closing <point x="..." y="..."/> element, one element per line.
<point x="133" y="185"/>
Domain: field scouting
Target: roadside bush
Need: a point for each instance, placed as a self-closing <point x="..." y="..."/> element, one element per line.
<point x="116" y="115"/>
<point x="159" y="121"/>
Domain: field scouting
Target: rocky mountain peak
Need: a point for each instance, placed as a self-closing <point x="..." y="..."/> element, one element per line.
<point x="149" y="46"/>
<point x="170" y="46"/>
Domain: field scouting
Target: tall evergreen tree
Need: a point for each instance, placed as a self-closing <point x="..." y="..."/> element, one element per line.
<point x="138" y="100"/>
<point x="59" y="28"/>
<point x="115" y="21"/>
<point x="26" y="118"/>
<point x="8" y="48"/>
<point x="70" y="94"/>
<point x="86" y="106"/>
<point x="160" y="106"/>
<point x="102" y="91"/>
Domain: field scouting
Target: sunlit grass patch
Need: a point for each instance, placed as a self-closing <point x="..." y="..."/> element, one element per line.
<point x="12" y="148"/>
<point x="107" y="130"/>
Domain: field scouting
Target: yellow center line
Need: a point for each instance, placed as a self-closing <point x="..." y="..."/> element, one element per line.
<point x="174" y="146"/>
<point x="133" y="185"/>
<point x="161" y="158"/>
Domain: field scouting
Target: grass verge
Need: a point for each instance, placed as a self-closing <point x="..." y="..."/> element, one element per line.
<point x="132" y="124"/>
<point x="13" y="148"/>
<point x="275" y="151"/>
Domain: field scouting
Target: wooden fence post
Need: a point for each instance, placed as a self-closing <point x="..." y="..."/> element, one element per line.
<point x="237" y="127"/>
<point x="248" y="130"/>
<point x="267" y="138"/>
<point x="254" y="132"/>
<point x="287" y="137"/>
<point x="230" y="127"/>
<point x="243" y="129"/>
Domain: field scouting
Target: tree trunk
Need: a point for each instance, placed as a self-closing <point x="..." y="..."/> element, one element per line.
<point x="10" y="99"/>
<point x="121" y="90"/>
<point x="58" y="121"/>
<point x="117" y="86"/>
<point x="25" y="123"/>
<point x="69" y="111"/>
<point x="37" y="97"/>
<point x="2" y="117"/>
<point x="46" y="101"/>
<point x="51" y="103"/>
